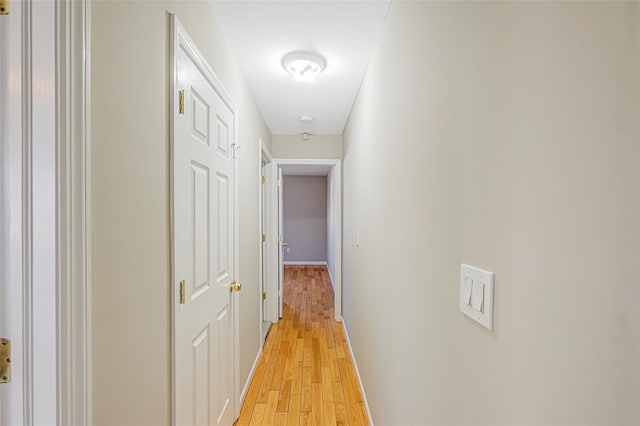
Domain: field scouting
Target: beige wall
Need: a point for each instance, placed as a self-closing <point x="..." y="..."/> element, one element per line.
<point x="504" y="135"/>
<point x="130" y="204"/>
<point x="317" y="147"/>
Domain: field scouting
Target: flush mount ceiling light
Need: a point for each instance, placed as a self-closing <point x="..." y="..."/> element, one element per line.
<point x="305" y="119"/>
<point x="304" y="65"/>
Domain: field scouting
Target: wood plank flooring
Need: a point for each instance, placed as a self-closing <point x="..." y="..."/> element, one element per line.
<point x="305" y="375"/>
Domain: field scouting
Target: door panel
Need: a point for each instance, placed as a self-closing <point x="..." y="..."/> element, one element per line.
<point x="201" y="375"/>
<point x="222" y="373"/>
<point x="201" y="229"/>
<point x="222" y="137"/>
<point x="224" y="244"/>
<point x="203" y="252"/>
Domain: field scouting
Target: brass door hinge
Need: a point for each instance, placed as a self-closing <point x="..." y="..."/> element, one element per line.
<point x="234" y="286"/>
<point x="4" y="7"/>
<point x="180" y="101"/>
<point x="5" y="360"/>
<point x="183" y="292"/>
<point x="263" y="179"/>
<point x="264" y="238"/>
<point x="264" y="296"/>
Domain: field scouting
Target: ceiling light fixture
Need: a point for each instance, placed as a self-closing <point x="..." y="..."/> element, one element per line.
<point x="305" y="119"/>
<point x="304" y="65"/>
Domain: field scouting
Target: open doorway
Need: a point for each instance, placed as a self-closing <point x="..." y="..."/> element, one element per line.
<point x="312" y="241"/>
<point x="305" y="215"/>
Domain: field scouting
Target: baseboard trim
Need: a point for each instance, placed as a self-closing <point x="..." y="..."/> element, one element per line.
<point x="331" y="278"/>
<point x="355" y="364"/>
<point x="245" y="389"/>
<point x="306" y="262"/>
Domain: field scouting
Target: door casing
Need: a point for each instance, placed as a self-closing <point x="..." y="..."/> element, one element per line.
<point x="336" y="215"/>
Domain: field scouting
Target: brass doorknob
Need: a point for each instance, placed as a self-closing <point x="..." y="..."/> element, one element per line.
<point x="285" y="244"/>
<point x="235" y="286"/>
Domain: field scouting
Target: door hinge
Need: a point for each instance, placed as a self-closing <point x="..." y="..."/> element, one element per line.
<point x="234" y="286"/>
<point x="279" y="238"/>
<point x="264" y="296"/>
<point x="263" y="180"/>
<point x="183" y="292"/>
<point x="4" y="7"/>
<point x="279" y="293"/>
<point x="264" y="238"/>
<point x="5" y="360"/>
<point x="180" y="101"/>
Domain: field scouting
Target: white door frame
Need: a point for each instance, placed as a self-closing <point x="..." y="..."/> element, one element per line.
<point x="180" y="39"/>
<point x="336" y="212"/>
<point x="45" y="197"/>
<point x="74" y="189"/>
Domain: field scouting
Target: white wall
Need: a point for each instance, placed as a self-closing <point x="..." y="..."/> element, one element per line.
<point x="130" y="209"/>
<point x="504" y="135"/>
<point x="305" y="218"/>
<point x="318" y="146"/>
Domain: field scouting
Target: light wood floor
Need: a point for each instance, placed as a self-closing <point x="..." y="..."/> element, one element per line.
<point x="306" y="375"/>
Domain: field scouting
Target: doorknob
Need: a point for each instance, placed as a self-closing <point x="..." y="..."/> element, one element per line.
<point x="234" y="286"/>
<point x="285" y="244"/>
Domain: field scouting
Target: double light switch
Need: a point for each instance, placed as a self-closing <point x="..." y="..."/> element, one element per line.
<point x="476" y="294"/>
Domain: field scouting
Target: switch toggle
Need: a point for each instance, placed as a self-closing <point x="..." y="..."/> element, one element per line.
<point x="477" y="296"/>
<point x="466" y="291"/>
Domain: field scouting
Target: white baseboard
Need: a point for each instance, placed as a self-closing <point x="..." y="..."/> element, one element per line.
<point x="306" y="262"/>
<point x="355" y="364"/>
<point x="245" y="389"/>
<point x="331" y="278"/>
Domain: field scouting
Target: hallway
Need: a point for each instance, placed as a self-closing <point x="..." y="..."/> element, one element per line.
<point x="305" y="375"/>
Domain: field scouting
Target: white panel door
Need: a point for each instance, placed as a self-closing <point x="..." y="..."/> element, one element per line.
<point x="12" y="401"/>
<point x="280" y="241"/>
<point x="203" y="214"/>
<point x="272" y="244"/>
<point x="263" y="231"/>
<point x="28" y="212"/>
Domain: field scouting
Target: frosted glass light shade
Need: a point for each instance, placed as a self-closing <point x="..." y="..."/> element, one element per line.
<point x="304" y="65"/>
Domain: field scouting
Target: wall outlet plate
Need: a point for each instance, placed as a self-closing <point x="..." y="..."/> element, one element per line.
<point x="476" y="294"/>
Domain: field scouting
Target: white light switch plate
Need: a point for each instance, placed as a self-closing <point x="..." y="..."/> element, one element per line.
<point x="470" y="276"/>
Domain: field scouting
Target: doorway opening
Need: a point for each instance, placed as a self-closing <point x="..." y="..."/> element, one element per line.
<point x="305" y="215"/>
<point x="315" y="185"/>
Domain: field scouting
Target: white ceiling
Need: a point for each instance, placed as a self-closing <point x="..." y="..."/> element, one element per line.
<point x="262" y="32"/>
